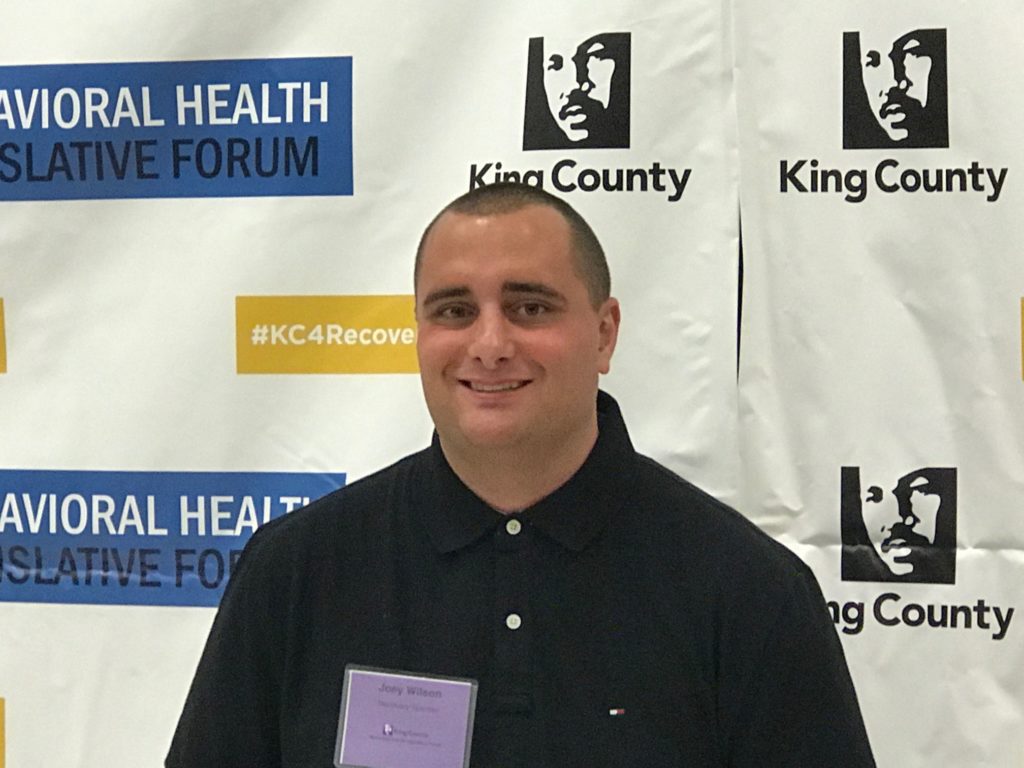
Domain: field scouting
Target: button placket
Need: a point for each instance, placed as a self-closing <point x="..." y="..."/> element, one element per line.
<point x="512" y="574"/>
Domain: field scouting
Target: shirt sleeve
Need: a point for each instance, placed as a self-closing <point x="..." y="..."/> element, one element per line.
<point x="230" y="717"/>
<point x="795" y="705"/>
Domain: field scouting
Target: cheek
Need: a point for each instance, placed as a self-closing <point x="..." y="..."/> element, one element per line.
<point x="434" y="350"/>
<point x="601" y="72"/>
<point x="574" y="357"/>
<point x="557" y="84"/>
<point x="926" y="508"/>
<point x="874" y="83"/>
<point x="879" y="517"/>
<point x="918" y="72"/>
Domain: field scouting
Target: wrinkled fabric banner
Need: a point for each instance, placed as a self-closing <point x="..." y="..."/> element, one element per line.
<point x="880" y="379"/>
<point x="205" y="270"/>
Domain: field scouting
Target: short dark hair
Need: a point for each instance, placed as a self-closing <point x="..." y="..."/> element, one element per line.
<point x="508" y="197"/>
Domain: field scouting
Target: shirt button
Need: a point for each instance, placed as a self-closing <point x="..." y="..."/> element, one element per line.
<point x="513" y="621"/>
<point x="513" y="527"/>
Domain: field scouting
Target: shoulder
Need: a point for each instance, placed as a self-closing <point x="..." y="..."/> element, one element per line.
<point x="360" y="511"/>
<point x="698" y="532"/>
<point x="728" y="586"/>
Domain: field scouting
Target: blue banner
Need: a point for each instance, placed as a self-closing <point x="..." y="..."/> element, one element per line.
<point x="232" y="128"/>
<point x="136" y="538"/>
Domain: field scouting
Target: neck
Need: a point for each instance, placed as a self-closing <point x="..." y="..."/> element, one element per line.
<point x="515" y="477"/>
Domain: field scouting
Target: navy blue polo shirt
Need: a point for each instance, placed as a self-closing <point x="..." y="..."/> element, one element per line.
<point x="628" y="619"/>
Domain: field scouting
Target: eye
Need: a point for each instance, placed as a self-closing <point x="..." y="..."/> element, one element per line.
<point x="452" y="313"/>
<point x="531" y="310"/>
<point x="554" y="62"/>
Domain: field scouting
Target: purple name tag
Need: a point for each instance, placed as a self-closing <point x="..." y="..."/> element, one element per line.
<point x="395" y="719"/>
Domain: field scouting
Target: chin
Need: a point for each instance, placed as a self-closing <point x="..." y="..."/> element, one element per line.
<point x="896" y="134"/>
<point x="492" y="435"/>
<point x="476" y="426"/>
<point x="575" y="133"/>
<point x="900" y="568"/>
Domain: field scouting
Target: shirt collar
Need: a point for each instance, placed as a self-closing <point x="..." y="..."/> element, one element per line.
<point x="573" y="515"/>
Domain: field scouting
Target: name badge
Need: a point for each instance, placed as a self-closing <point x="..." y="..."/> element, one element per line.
<point x="393" y="719"/>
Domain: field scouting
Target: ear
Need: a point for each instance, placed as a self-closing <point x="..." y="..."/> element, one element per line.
<point x="608" y="317"/>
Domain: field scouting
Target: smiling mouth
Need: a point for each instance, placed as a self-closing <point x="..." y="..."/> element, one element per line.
<point x="576" y="105"/>
<point x="906" y="539"/>
<point x="893" y="106"/>
<point x="505" y="386"/>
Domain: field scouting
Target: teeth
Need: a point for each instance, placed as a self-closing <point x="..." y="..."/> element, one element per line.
<point x="495" y="387"/>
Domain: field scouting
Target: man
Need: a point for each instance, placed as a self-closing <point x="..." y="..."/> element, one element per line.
<point x="613" y="614"/>
<point x="905" y="89"/>
<point x="585" y="93"/>
<point x="912" y="529"/>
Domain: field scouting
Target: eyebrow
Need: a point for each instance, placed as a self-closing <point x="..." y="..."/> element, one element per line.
<point x="537" y="288"/>
<point x="440" y="294"/>
<point x="461" y="291"/>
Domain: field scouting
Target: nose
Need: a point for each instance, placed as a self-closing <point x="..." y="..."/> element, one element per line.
<point x="492" y="342"/>
<point x="901" y="80"/>
<point x="583" y="81"/>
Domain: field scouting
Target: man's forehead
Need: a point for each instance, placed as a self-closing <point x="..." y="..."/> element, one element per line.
<point x="529" y="246"/>
<point x="521" y="227"/>
<point x="886" y="37"/>
<point x="911" y="39"/>
<point x="569" y="45"/>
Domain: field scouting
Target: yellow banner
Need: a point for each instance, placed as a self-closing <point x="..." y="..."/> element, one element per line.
<point x="3" y="369"/>
<point x="325" y="334"/>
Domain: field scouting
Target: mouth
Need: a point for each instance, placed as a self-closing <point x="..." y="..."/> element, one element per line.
<point x="905" y="539"/>
<point x="892" y="107"/>
<point x="495" y="387"/>
<point x="577" y="105"/>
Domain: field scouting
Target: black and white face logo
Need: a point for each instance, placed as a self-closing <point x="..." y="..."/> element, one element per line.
<point x="894" y="90"/>
<point x="906" y="532"/>
<point x="577" y="93"/>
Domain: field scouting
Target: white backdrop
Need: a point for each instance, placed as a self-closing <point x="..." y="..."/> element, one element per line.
<point x="882" y="335"/>
<point x="120" y="314"/>
<point x="885" y="335"/>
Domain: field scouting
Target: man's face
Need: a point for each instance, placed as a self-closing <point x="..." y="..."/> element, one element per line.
<point x="510" y="346"/>
<point x="896" y="82"/>
<point x="578" y="84"/>
<point x="903" y="523"/>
